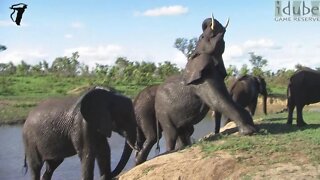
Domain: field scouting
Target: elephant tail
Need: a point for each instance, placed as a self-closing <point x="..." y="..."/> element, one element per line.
<point x="25" y="166"/>
<point x="288" y="90"/>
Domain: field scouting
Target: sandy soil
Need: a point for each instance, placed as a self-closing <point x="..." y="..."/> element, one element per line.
<point x="192" y="163"/>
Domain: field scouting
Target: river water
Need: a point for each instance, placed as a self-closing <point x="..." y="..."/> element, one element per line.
<point x="12" y="153"/>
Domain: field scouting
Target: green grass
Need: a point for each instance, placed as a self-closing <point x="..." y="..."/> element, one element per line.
<point x="42" y="86"/>
<point x="278" y="92"/>
<point x="18" y="94"/>
<point x="276" y="141"/>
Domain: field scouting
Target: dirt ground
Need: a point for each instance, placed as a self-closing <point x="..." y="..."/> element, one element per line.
<point x="194" y="164"/>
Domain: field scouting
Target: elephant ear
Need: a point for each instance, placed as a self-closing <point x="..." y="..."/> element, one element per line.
<point x="195" y="67"/>
<point x="94" y="108"/>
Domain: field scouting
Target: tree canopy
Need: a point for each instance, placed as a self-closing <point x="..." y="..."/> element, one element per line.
<point x="186" y="46"/>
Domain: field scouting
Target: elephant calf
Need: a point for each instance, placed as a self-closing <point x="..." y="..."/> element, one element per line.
<point x="303" y="89"/>
<point x="59" y="128"/>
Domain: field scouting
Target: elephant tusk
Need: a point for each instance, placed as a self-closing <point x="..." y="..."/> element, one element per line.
<point x="227" y="23"/>
<point x="212" y="21"/>
<point x="132" y="146"/>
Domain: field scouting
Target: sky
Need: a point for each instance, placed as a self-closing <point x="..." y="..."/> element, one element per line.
<point x="145" y="30"/>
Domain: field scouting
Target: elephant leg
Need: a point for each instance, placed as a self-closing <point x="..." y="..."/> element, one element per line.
<point x="184" y="137"/>
<point x="300" y="121"/>
<point x="290" y="107"/>
<point x="171" y="135"/>
<point x="217" y="117"/>
<point x="87" y="151"/>
<point x="87" y="166"/>
<point x="140" y="138"/>
<point x="35" y="163"/>
<point x="51" y="165"/>
<point x="252" y="107"/>
<point x="35" y="172"/>
<point x="104" y="159"/>
<point x="169" y="131"/>
<point x="142" y="155"/>
<point x="182" y="142"/>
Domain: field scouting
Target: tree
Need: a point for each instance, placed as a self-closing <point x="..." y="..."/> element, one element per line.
<point x="84" y="69"/>
<point x="244" y="70"/>
<point x="7" y="69"/>
<point x="298" y="66"/>
<point x="257" y="64"/>
<point x="23" y="68"/>
<point x="45" y="66"/>
<point x="144" y="73"/>
<point x="167" y="69"/>
<point x="67" y="66"/>
<point x="101" y="70"/>
<point x="36" y="69"/>
<point x="232" y="71"/>
<point x="186" y="46"/>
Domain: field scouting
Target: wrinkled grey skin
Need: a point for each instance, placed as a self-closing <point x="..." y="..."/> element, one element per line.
<point x="303" y="89"/>
<point x="183" y="101"/>
<point x="245" y="91"/>
<point x="147" y="123"/>
<point x="59" y="128"/>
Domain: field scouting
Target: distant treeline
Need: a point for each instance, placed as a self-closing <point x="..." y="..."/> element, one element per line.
<point x="134" y="73"/>
<point x="124" y="71"/>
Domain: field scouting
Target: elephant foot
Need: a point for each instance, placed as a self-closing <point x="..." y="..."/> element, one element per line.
<point x="138" y="160"/>
<point x="301" y="124"/>
<point x="248" y="130"/>
<point x="289" y="122"/>
<point x="141" y="157"/>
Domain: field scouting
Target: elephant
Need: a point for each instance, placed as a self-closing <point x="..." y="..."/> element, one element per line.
<point x="148" y="131"/>
<point x="62" y="127"/>
<point x="245" y="91"/>
<point x="303" y="89"/>
<point x="205" y="45"/>
<point x="183" y="100"/>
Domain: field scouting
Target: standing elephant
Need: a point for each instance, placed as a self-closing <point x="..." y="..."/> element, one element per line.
<point x="149" y="130"/>
<point x="303" y="89"/>
<point x="182" y="101"/>
<point x="59" y="128"/>
<point x="245" y="91"/>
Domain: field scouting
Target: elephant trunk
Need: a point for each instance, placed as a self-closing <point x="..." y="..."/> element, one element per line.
<point x="131" y="137"/>
<point x="127" y="150"/>
<point x="215" y="94"/>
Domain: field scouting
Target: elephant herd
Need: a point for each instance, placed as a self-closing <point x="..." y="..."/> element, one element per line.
<point x="59" y="128"/>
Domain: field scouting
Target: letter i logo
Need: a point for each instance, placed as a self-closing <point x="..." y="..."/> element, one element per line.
<point x="278" y="12"/>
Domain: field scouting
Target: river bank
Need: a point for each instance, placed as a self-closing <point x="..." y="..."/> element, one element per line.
<point x="278" y="151"/>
